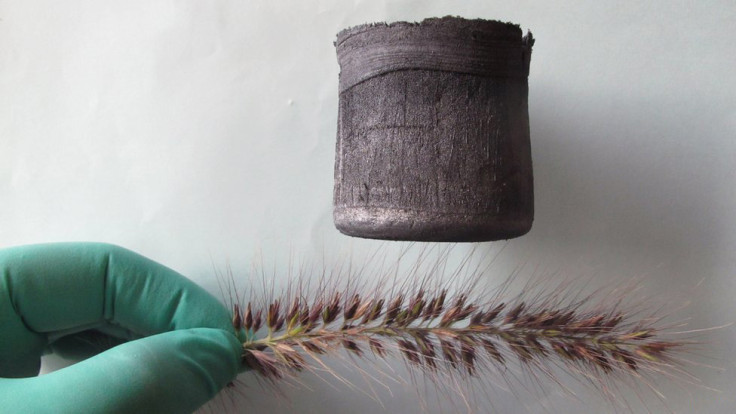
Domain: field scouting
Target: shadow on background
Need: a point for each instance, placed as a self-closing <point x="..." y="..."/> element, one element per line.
<point x="633" y="186"/>
<point x="631" y="178"/>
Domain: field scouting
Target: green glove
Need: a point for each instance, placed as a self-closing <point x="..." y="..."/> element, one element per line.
<point x="78" y="298"/>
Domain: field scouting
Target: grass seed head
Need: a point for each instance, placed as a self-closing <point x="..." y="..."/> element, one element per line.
<point x="444" y="333"/>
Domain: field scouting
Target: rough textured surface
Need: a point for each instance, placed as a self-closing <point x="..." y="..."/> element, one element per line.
<point x="431" y="154"/>
<point x="428" y="153"/>
<point x="479" y="47"/>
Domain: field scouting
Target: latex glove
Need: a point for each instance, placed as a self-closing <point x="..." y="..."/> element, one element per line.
<point x="58" y="296"/>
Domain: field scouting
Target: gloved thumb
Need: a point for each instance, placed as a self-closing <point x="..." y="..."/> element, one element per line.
<point x="172" y="372"/>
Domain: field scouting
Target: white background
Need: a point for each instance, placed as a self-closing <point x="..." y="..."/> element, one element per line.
<point x="198" y="132"/>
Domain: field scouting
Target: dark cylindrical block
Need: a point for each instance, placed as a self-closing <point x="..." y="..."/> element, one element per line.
<point x="433" y="131"/>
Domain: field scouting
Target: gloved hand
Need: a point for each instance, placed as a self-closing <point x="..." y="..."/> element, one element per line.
<point x="78" y="298"/>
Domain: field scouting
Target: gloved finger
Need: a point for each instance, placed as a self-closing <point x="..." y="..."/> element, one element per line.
<point x="52" y="290"/>
<point x="173" y="372"/>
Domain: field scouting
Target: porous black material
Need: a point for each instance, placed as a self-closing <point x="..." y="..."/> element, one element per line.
<point x="433" y="131"/>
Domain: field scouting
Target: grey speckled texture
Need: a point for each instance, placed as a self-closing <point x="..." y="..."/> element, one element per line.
<point x="433" y="131"/>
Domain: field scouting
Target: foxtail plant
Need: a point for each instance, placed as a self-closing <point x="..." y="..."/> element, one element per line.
<point x="444" y="331"/>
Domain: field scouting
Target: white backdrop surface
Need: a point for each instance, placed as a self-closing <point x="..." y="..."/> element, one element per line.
<point x="198" y="132"/>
